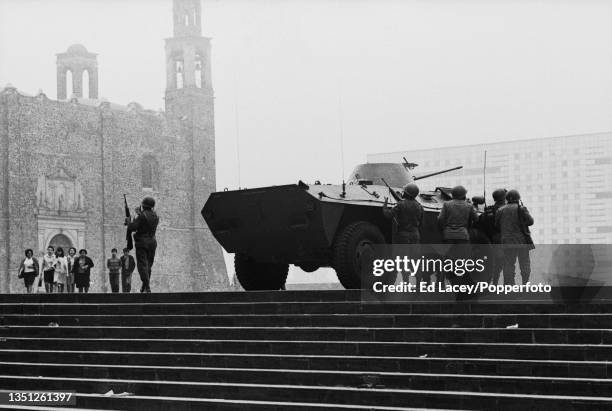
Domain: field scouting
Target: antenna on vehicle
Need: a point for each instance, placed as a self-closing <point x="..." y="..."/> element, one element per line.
<point x="340" y="120"/>
<point x="237" y="121"/>
<point x="484" y="178"/>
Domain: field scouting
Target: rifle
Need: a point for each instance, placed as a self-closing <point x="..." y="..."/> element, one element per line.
<point x="128" y="234"/>
<point x="393" y="193"/>
<point x="395" y="196"/>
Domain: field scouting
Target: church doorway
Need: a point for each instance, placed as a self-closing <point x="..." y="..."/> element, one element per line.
<point x="60" y="240"/>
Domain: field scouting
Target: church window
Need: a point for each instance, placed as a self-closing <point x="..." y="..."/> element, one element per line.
<point x="86" y="84"/>
<point x="69" y="91"/>
<point x="149" y="172"/>
<point x="180" y="74"/>
<point x="198" y="71"/>
<point x="186" y="19"/>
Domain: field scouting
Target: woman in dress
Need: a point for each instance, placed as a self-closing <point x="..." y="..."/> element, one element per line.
<point x="61" y="270"/>
<point x="70" y="276"/>
<point x="48" y="269"/>
<point x="28" y="269"/>
<point x="81" y="269"/>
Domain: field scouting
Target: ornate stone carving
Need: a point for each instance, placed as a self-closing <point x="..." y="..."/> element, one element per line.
<point x="59" y="193"/>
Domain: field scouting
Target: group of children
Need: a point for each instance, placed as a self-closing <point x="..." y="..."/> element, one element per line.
<point x="63" y="273"/>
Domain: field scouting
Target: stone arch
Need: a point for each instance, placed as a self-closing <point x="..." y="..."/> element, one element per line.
<point x="69" y="83"/>
<point x="85" y="81"/>
<point x="179" y="69"/>
<point x="199" y="70"/>
<point x="61" y="240"/>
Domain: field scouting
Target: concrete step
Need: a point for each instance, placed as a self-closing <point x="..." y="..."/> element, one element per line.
<point x="575" y="352"/>
<point x="357" y="379"/>
<point x="139" y="402"/>
<point x="372" y="364"/>
<point x="442" y="335"/>
<point x="297" y="307"/>
<point x="309" y="350"/>
<point x="550" y="320"/>
<point x="313" y="394"/>
<point x="557" y="296"/>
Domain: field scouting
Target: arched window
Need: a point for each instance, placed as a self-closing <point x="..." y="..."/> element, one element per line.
<point x="180" y="74"/>
<point x="69" y="83"/>
<point x="86" y="84"/>
<point x="186" y="19"/>
<point x="198" y="71"/>
<point x="150" y="172"/>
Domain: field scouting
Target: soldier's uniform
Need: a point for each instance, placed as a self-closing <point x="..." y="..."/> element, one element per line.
<point x="407" y="217"/>
<point x="144" y="227"/>
<point x="456" y="217"/>
<point x="455" y="220"/>
<point x="513" y="220"/>
<point x="487" y="222"/>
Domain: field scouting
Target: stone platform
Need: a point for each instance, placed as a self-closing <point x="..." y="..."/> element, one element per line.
<point x="299" y="350"/>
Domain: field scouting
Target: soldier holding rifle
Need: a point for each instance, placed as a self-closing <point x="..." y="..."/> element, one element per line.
<point x="144" y="227"/>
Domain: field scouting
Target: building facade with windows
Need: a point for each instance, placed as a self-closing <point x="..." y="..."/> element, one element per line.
<point x="65" y="165"/>
<point x="566" y="182"/>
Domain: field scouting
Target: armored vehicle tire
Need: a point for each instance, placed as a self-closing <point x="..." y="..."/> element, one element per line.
<point x="254" y="275"/>
<point x="352" y="249"/>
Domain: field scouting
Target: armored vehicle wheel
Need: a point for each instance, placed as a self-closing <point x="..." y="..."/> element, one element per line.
<point x="353" y="250"/>
<point x="254" y="275"/>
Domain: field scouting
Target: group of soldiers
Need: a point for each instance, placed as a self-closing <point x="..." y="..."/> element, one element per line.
<point x="505" y="225"/>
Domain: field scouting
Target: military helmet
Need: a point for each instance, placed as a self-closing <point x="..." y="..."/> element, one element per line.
<point x="513" y="196"/>
<point x="459" y="192"/>
<point x="411" y="190"/>
<point x="148" y="202"/>
<point x="499" y="194"/>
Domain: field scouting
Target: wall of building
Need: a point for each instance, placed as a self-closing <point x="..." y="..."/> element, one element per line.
<point x="103" y="147"/>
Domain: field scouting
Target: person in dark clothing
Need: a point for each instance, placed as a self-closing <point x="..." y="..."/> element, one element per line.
<point x="456" y="217"/>
<point x="127" y="268"/>
<point x="513" y="221"/>
<point x="487" y="222"/>
<point x="144" y="227"/>
<point x="82" y="268"/>
<point x="407" y="216"/>
<point x="114" y="267"/>
<point x="454" y="221"/>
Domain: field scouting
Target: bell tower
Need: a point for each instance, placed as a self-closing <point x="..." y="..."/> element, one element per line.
<point x="187" y="56"/>
<point x="76" y="68"/>
<point x="190" y="106"/>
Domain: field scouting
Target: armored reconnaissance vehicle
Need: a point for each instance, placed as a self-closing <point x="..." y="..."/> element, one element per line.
<point x="315" y="225"/>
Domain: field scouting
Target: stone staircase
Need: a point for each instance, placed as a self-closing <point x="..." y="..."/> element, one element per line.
<point x="299" y="350"/>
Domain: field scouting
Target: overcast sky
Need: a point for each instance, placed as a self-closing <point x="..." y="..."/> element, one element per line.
<point x="392" y="75"/>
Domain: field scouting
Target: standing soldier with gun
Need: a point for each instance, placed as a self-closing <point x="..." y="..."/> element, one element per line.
<point x="144" y="227"/>
<point x="407" y="216"/>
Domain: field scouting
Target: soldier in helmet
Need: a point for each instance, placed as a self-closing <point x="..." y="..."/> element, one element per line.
<point x="492" y="231"/>
<point x="408" y="215"/>
<point x="513" y="221"/>
<point x="407" y="218"/>
<point x="455" y="219"/>
<point x="144" y="227"/>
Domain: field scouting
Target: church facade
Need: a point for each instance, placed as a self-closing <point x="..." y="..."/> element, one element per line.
<point x="65" y="165"/>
